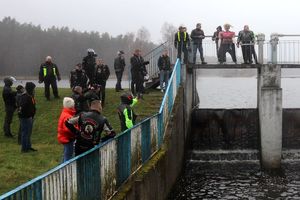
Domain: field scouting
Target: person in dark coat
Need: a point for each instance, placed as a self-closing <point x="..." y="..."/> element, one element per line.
<point x="119" y="66"/>
<point x="89" y="64"/>
<point x="246" y="39"/>
<point x="182" y="43"/>
<point x="164" y="66"/>
<point x="79" y="99"/>
<point x="26" y="113"/>
<point x="20" y="91"/>
<point x="49" y="74"/>
<point x="91" y="124"/>
<point x="138" y="72"/>
<point x="9" y="98"/>
<point x="197" y="36"/>
<point x="215" y="38"/>
<point x="78" y="77"/>
<point x="101" y="76"/>
<point x="125" y="111"/>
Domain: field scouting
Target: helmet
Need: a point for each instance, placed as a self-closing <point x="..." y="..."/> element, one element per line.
<point x="91" y="52"/>
<point x="8" y="81"/>
<point x="126" y="98"/>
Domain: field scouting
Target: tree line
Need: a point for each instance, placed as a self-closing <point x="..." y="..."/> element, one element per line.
<point x="23" y="47"/>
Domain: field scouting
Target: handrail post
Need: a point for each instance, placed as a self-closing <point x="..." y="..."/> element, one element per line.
<point x="274" y="43"/>
<point x="260" y="42"/>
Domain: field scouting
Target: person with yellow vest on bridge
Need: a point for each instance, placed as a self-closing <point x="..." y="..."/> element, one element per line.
<point x="49" y="74"/>
<point x="182" y="43"/>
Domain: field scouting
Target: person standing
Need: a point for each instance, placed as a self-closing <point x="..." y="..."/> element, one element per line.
<point x="91" y="124"/>
<point x="64" y="135"/>
<point x="49" y="74"/>
<point x="125" y="112"/>
<point x="27" y="111"/>
<point x="89" y="63"/>
<point x="215" y="38"/>
<point x="9" y="98"/>
<point x="246" y="39"/>
<point x="20" y="90"/>
<point x="101" y="76"/>
<point x="119" y="65"/>
<point x="138" y="71"/>
<point x="78" y="77"/>
<point x="227" y="45"/>
<point x="164" y="66"/>
<point x="197" y="36"/>
<point x="182" y="43"/>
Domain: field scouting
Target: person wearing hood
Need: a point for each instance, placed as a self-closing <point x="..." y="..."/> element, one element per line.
<point x="126" y="114"/>
<point x="26" y="113"/>
<point x="64" y="135"/>
<point x="9" y="98"/>
<point x="49" y="74"/>
<point x="20" y="90"/>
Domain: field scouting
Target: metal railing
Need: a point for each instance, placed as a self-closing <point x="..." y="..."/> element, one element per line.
<point x="97" y="173"/>
<point x="153" y="56"/>
<point x="283" y="51"/>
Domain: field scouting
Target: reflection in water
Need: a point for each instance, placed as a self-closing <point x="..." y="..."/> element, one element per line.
<point x="236" y="180"/>
<point x="220" y="92"/>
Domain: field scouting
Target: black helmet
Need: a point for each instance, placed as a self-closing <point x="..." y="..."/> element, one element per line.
<point x="126" y="98"/>
<point x="8" y="81"/>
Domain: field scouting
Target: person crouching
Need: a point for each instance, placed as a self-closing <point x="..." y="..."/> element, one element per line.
<point x="64" y="135"/>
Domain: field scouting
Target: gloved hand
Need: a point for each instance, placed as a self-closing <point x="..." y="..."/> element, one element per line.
<point x="58" y="78"/>
<point x="146" y="62"/>
<point x="112" y="134"/>
<point x="40" y="81"/>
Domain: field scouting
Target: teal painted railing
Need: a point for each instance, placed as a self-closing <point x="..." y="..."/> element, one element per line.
<point x="99" y="172"/>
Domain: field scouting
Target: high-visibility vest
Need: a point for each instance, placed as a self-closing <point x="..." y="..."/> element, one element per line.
<point x="184" y="36"/>
<point x="45" y="71"/>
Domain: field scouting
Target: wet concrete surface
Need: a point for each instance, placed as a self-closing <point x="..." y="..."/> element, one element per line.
<point x="236" y="180"/>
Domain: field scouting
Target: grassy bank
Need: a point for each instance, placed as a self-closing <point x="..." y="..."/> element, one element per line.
<point x="17" y="168"/>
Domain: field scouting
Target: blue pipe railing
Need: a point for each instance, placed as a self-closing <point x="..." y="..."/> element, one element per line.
<point x="98" y="173"/>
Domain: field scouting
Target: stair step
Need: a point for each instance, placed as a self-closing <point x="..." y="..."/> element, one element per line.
<point x="224" y="155"/>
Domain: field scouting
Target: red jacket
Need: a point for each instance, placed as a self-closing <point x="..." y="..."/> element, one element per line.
<point x="64" y="135"/>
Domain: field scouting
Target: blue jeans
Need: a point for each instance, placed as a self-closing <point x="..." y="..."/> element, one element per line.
<point x="200" y="48"/>
<point x="26" y="130"/>
<point x="68" y="151"/>
<point x="164" y="78"/>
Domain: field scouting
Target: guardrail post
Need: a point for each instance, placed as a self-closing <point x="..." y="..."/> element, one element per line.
<point x="260" y="42"/>
<point x="274" y="43"/>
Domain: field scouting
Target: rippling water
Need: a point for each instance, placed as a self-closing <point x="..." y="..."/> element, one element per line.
<point x="236" y="180"/>
<point x="208" y="178"/>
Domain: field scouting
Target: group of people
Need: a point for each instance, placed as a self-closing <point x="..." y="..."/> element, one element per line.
<point x="81" y="123"/>
<point x="23" y="101"/>
<point x="224" y="40"/>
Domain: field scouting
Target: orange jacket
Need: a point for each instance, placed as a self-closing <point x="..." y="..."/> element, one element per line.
<point x="64" y="135"/>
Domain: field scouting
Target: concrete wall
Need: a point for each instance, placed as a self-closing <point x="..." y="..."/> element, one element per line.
<point x="156" y="178"/>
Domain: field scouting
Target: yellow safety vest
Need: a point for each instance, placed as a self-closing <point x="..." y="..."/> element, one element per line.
<point x="45" y="71"/>
<point x="184" y="36"/>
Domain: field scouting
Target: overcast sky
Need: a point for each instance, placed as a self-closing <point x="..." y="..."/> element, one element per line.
<point x="122" y="16"/>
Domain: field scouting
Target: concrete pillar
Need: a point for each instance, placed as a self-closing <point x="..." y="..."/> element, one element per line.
<point x="274" y="43"/>
<point x="270" y="116"/>
<point x="260" y="42"/>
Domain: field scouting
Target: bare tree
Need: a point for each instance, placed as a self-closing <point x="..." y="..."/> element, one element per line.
<point x="168" y="30"/>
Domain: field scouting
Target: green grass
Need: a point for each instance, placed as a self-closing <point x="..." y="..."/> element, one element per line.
<point x="17" y="168"/>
